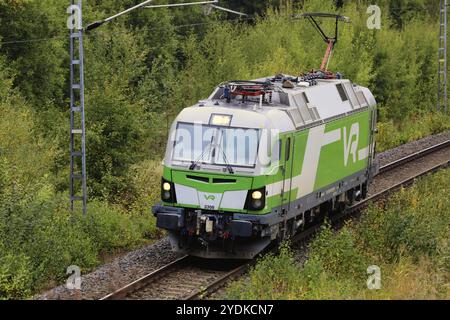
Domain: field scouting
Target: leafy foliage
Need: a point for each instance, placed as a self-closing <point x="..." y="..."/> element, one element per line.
<point x="141" y="71"/>
<point x="39" y="237"/>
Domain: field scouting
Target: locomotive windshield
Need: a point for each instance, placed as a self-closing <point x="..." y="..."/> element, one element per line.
<point x="216" y="145"/>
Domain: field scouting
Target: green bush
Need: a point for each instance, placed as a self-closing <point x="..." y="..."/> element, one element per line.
<point x="414" y="224"/>
<point x="111" y="228"/>
<point x="145" y="179"/>
<point x="412" y="128"/>
<point x="15" y="276"/>
<point x="275" y="277"/>
<point x="52" y="238"/>
<point x="338" y="253"/>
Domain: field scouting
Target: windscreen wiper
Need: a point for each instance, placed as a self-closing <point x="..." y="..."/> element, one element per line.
<point x="194" y="163"/>
<point x="229" y="167"/>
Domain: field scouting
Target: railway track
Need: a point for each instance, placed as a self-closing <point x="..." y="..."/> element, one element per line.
<point x="186" y="278"/>
<point x="419" y="154"/>
<point x="189" y="278"/>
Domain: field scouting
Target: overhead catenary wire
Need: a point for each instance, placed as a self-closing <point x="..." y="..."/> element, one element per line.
<point x="98" y="23"/>
<point x="91" y="35"/>
<point x="144" y="4"/>
<point x="242" y="18"/>
<point x="10" y="42"/>
<point x="183" y="4"/>
<point x="228" y="10"/>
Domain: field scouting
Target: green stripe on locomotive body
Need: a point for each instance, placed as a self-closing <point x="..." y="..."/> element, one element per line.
<point x="325" y="155"/>
<point x="338" y="160"/>
<point x="240" y="183"/>
<point x="322" y="156"/>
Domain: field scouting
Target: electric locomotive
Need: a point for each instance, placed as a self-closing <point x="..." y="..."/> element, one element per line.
<point x="259" y="161"/>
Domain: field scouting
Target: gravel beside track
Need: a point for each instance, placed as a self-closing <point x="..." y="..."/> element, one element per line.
<point x="116" y="274"/>
<point x="409" y="148"/>
<point x="390" y="178"/>
<point x="138" y="263"/>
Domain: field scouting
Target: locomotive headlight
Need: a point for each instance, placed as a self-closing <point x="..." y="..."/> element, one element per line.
<point x="257" y="195"/>
<point x="257" y="204"/>
<point x="168" y="191"/>
<point x="166" y="195"/>
<point x="220" y="120"/>
<point x="167" y="187"/>
<point x="256" y="199"/>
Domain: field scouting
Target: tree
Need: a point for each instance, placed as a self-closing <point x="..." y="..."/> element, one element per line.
<point x="40" y="65"/>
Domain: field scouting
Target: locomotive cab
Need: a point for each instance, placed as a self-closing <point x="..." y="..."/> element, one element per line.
<point x="214" y="166"/>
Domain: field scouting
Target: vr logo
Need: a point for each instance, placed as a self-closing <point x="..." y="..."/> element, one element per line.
<point x="351" y="143"/>
<point x="209" y="197"/>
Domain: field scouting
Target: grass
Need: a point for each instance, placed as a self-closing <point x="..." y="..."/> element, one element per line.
<point x="407" y="238"/>
<point x="39" y="241"/>
<point x="414" y="128"/>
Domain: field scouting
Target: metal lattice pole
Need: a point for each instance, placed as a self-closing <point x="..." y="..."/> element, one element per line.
<point x="442" y="72"/>
<point x="78" y="189"/>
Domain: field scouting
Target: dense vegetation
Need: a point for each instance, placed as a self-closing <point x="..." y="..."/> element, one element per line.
<point x="140" y="71"/>
<point x="407" y="239"/>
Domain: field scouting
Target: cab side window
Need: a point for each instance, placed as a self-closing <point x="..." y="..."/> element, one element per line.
<point x="280" y="149"/>
<point x="288" y="149"/>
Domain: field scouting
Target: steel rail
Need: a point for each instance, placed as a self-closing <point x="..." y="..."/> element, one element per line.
<point x="147" y="279"/>
<point x="222" y="281"/>
<point x="417" y="155"/>
<point x="373" y="198"/>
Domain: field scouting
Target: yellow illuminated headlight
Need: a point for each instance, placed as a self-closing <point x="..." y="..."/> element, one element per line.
<point x="220" y="120"/>
<point x="166" y="186"/>
<point x="257" y="195"/>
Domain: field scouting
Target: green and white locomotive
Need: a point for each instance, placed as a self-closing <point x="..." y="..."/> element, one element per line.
<point x="259" y="161"/>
